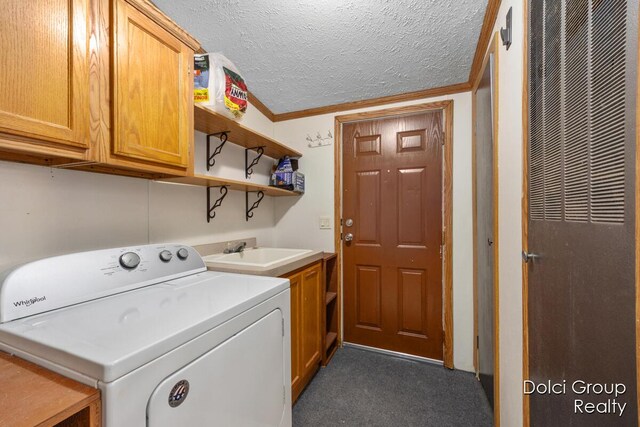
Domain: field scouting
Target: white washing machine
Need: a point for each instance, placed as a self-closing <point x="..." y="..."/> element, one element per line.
<point x="166" y="341"/>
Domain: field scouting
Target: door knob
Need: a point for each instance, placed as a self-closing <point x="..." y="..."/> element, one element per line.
<point x="348" y="222"/>
<point x="527" y="256"/>
<point x="348" y="237"/>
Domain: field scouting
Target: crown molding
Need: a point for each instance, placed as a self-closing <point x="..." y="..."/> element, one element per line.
<point x="490" y="16"/>
<point x="373" y="102"/>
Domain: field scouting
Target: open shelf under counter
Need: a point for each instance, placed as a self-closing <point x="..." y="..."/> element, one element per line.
<point x="331" y="323"/>
<point x="331" y="296"/>
<point x="211" y="122"/>
<point x="330" y="340"/>
<point x="214" y="181"/>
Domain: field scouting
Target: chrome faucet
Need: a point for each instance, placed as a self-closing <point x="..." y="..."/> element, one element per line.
<point x="237" y="248"/>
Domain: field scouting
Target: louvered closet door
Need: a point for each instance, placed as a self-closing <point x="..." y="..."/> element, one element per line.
<point x="581" y="301"/>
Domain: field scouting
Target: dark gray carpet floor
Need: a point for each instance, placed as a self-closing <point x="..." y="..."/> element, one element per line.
<point x="363" y="388"/>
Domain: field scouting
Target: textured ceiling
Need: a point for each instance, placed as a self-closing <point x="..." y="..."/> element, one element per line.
<point x="299" y="54"/>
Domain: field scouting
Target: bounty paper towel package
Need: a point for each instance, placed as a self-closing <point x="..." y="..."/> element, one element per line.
<point x="219" y="86"/>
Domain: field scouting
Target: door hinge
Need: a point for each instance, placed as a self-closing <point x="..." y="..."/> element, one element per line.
<point x="441" y="250"/>
<point x="340" y="222"/>
<point x="477" y="341"/>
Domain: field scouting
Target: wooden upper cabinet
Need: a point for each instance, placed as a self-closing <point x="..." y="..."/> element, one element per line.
<point x="152" y="91"/>
<point x="100" y="85"/>
<point x="44" y="76"/>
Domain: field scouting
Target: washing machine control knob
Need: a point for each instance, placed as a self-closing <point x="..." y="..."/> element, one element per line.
<point x="166" y="256"/>
<point x="129" y="260"/>
<point x="183" y="253"/>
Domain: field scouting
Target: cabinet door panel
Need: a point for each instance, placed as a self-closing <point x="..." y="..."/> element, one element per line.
<point x="311" y="318"/>
<point x="151" y="90"/>
<point x="44" y="72"/>
<point x="295" y="331"/>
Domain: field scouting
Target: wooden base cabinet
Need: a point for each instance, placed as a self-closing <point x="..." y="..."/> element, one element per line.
<point x="34" y="396"/>
<point x="306" y="325"/>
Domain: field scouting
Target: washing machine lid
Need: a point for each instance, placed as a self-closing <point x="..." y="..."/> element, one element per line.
<point x="107" y="338"/>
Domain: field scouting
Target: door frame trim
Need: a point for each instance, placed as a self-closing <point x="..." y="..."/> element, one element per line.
<point x="447" y="206"/>
<point x="492" y="49"/>
<point x="637" y="225"/>
<point x="525" y="208"/>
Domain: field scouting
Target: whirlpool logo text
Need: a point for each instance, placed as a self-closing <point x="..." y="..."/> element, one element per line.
<point x="28" y="302"/>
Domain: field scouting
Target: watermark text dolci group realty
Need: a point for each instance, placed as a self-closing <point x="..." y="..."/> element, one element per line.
<point x="583" y="389"/>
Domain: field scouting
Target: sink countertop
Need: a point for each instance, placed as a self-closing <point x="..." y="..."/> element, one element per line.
<point x="276" y="270"/>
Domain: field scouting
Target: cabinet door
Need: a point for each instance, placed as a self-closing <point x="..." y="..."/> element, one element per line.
<point x="44" y="71"/>
<point x="295" y="281"/>
<point x="311" y="318"/>
<point x="151" y="90"/>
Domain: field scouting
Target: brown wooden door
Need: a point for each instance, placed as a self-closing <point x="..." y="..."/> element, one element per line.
<point x="392" y="267"/>
<point x="310" y="352"/>
<point x="581" y="288"/>
<point x="44" y="71"/>
<point x="152" y="91"/>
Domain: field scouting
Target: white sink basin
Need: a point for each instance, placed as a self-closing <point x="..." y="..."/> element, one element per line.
<point x="258" y="257"/>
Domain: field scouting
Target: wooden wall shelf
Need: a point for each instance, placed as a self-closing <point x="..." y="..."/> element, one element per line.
<point x="210" y="122"/>
<point x="214" y="181"/>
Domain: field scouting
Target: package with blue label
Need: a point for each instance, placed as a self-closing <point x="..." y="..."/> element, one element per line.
<point x="286" y="176"/>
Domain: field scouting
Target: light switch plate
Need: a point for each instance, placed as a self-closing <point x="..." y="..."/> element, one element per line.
<point x="325" y="223"/>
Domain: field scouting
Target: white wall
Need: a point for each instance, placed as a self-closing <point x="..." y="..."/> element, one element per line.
<point x="46" y="212"/>
<point x="294" y="216"/>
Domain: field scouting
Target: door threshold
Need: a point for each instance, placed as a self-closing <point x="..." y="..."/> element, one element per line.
<point x="395" y="354"/>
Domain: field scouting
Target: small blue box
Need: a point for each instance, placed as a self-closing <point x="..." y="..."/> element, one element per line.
<point x="293" y="180"/>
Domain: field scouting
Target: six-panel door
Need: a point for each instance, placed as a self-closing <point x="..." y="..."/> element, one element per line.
<point x="44" y="77"/>
<point x="392" y="200"/>
<point x="151" y="91"/>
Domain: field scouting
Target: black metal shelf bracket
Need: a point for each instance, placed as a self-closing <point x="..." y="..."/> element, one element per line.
<point x="222" y="136"/>
<point x="249" y="166"/>
<point x="254" y="205"/>
<point x="211" y="208"/>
